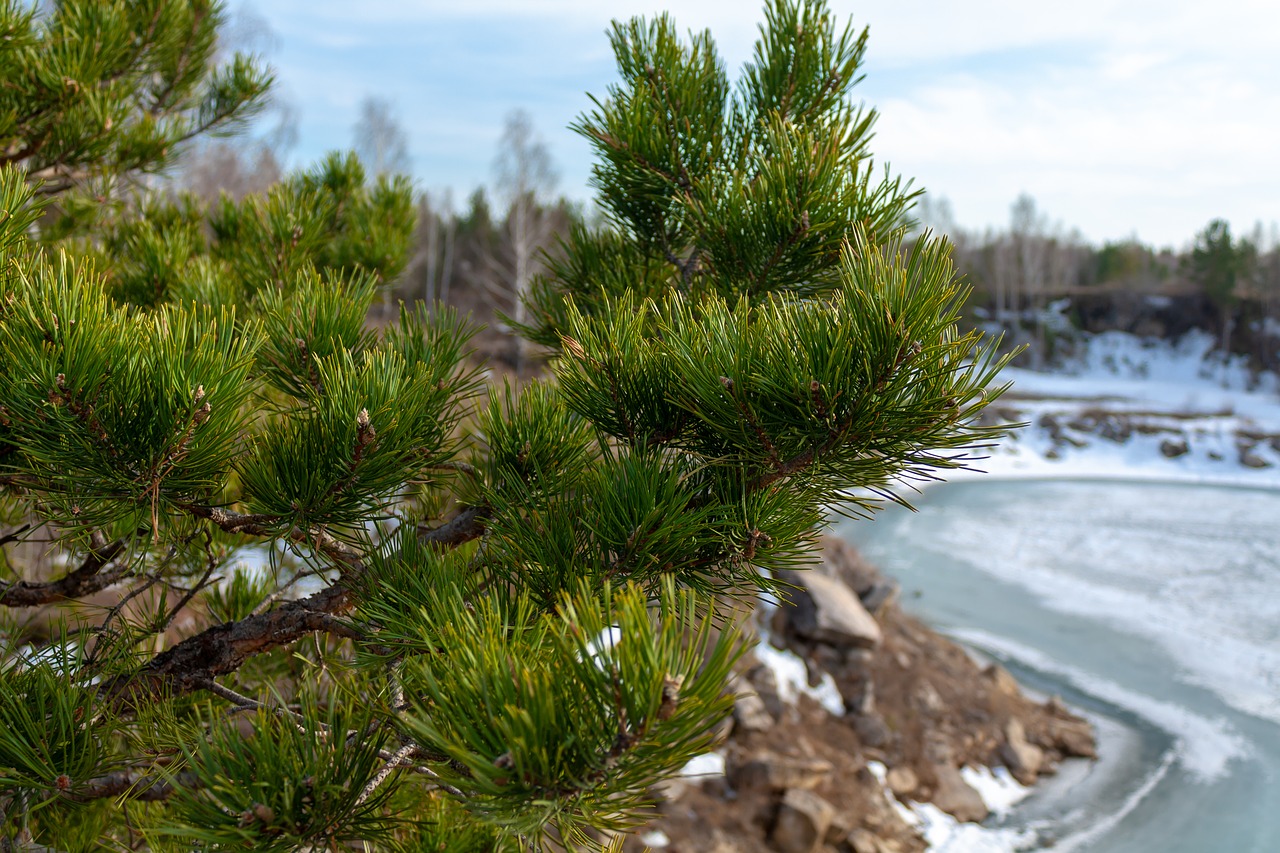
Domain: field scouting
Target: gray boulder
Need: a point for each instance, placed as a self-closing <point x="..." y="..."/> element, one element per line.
<point x="1024" y="759"/>
<point x="821" y="609"/>
<point x="776" y="772"/>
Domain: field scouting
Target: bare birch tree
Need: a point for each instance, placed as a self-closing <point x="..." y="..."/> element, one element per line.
<point x="1027" y="229"/>
<point x="431" y="269"/>
<point x="524" y="179"/>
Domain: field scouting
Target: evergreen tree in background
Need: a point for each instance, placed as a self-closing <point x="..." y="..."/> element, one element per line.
<point x="1220" y="265"/>
<point x="275" y="581"/>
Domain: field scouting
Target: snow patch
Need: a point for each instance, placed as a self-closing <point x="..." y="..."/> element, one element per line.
<point x="603" y="645"/>
<point x="656" y="839"/>
<point x="705" y="766"/>
<point x="792" y="678"/>
<point x="944" y="834"/>
<point x="997" y="787"/>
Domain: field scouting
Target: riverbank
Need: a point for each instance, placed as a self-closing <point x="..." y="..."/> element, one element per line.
<point x="1138" y="410"/>
<point x="1165" y="588"/>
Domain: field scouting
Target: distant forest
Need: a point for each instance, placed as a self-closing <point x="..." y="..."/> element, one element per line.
<point x="1038" y="282"/>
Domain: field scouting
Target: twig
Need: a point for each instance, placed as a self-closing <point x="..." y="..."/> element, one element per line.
<point x="221" y="649"/>
<point x="397" y="687"/>
<point x="802" y="228"/>
<point x="461" y="467"/>
<point x="462" y="528"/>
<point x="401" y="756"/>
<point x="257" y="525"/>
<point x="750" y="418"/>
<point x="191" y="593"/>
<point x="14" y="536"/>
<point x="85" y="580"/>
<point x="304" y="572"/>
<point x="237" y="699"/>
<point x="132" y="785"/>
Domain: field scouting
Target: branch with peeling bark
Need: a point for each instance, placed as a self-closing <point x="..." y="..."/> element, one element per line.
<point x="193" y="663"/>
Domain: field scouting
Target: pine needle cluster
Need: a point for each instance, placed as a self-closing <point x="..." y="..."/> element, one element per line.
<point x="274" y="579"/>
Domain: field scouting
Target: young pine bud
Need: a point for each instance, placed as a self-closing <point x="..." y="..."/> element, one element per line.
<point x="365" y="433"/>
<point x="670" y="696"/>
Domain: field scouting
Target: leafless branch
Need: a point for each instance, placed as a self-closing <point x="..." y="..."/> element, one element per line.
<point x="462" y="528"/>
<point x="399" y="758"/>
<point x="86" y="580"/>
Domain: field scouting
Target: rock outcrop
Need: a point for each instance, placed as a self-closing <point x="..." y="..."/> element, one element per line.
<point x="796" y="775"/>
<point x="822" y="609"/>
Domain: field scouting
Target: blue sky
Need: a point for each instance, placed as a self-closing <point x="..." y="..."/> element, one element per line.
<point x="1120" y="117"/>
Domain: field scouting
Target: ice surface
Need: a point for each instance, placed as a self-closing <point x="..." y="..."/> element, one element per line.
<point x="1205" y="746"/>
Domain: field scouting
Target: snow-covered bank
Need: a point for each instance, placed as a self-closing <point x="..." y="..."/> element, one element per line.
<point x="1134" y="409"/>
<point x="944" y="834"/>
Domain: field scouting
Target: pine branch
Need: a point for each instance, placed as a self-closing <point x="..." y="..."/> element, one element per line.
<point x="258" y="525"/>
<point x="14" y="536"/>
<point x="747" y="415"/>
<point x="232" y="521"/>
<point x="802" y="228"/>
<point x="460" y="467"/>
<point x="462" y="528"/>
<point x="221" y="649"/>
<point x="131" y="785"/>
<point x="86" y="580"/>
<point x="103" y="632"/>
<point x="394" y="762"/>
<point x="210" y="567"/>
<point x="25" y="847"/>
<point x="163" y="102"/>
<point x="799" y="462"/>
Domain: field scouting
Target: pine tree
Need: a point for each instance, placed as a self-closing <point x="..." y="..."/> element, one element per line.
<point x="356" y="597"/>
<point x="1220" y="264"/>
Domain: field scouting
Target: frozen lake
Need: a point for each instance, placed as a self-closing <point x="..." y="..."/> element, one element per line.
<point x="1155" y="607"/>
